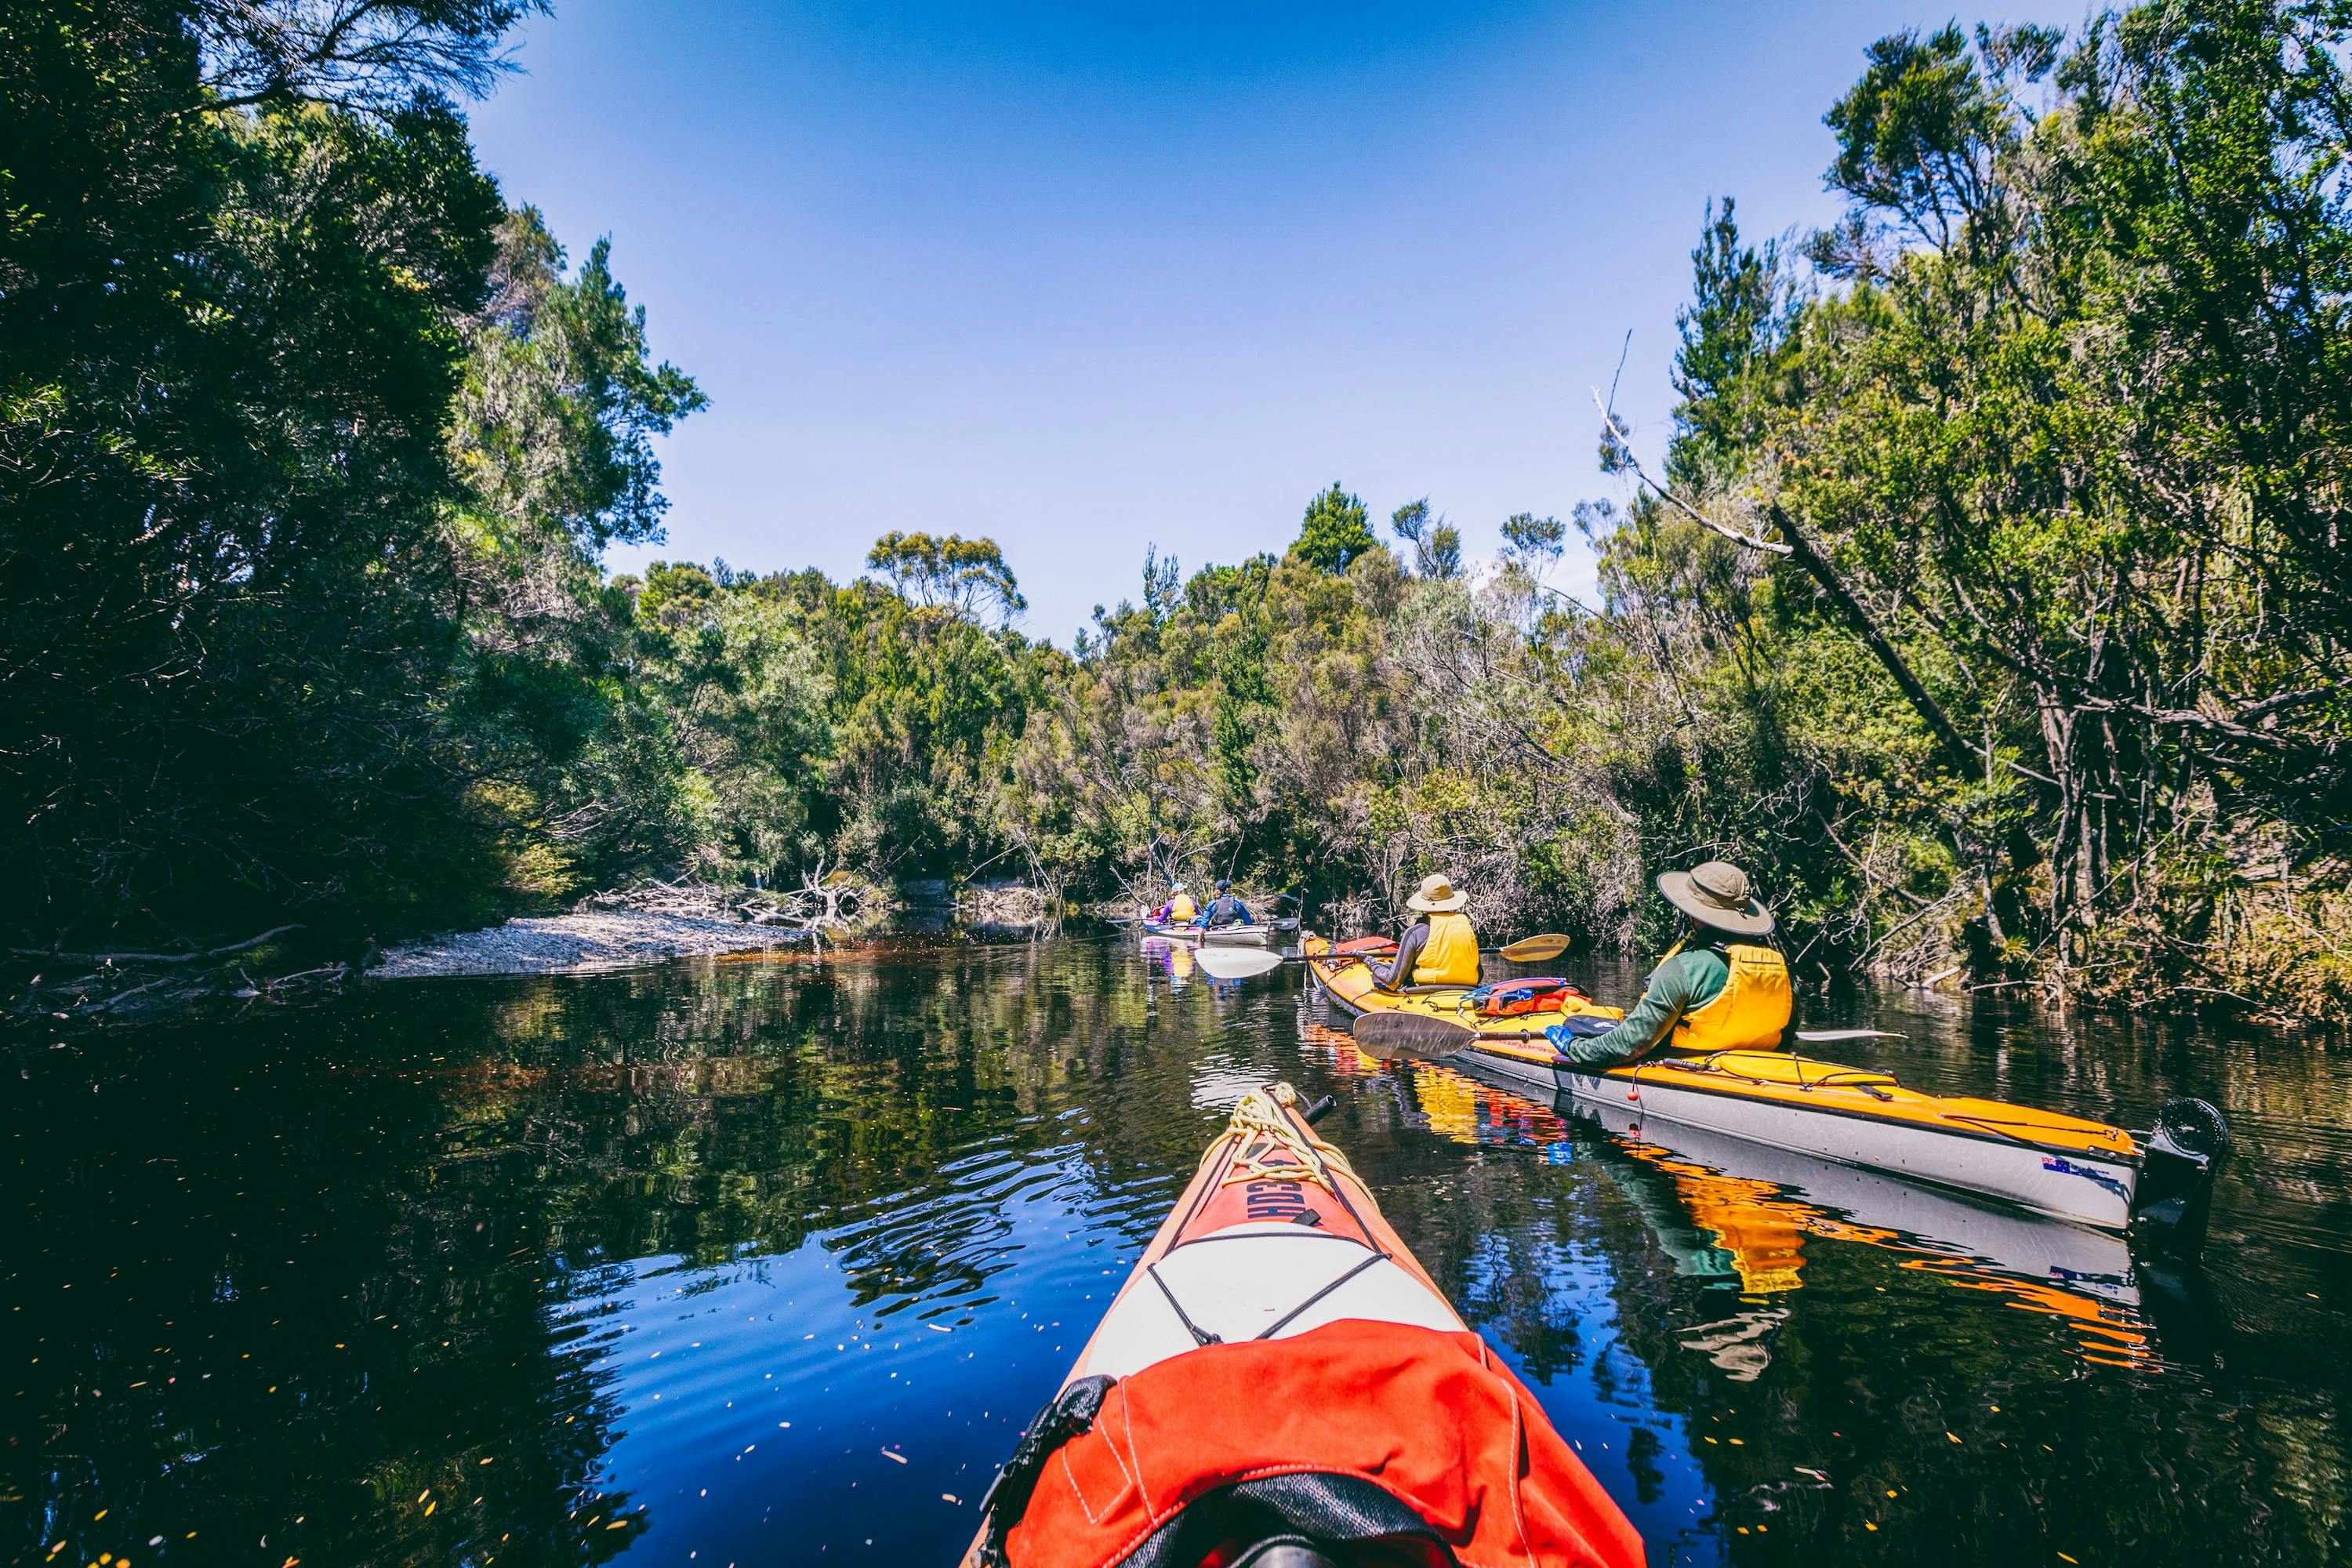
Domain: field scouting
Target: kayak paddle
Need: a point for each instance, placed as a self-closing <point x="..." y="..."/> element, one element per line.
<point x="1417" y="1036"/>
<point x="1409" y="1037"/>
<point x="1236" y="963"/>
<point x="1531" y="950"/>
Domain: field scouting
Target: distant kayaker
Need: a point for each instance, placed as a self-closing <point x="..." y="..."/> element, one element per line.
<point x="1711" y="992"/>
<point x="1225" y="909"/>
<point x="1440" y="951"/>
<point x="1179" y="911"/>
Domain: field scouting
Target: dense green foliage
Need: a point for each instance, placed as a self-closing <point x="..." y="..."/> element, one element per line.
<point x="1994" y="606"/>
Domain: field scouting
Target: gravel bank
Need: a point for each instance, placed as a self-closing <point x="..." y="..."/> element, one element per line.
<point x="562" y="944"/>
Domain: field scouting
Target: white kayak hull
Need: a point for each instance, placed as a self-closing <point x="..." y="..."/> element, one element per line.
<point x="1205" y="936"/>
<point x="2081" y="1188"/>
<point x="2097" y="1262"/>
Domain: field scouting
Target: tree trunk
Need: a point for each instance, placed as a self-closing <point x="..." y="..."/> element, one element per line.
<point x="1956" y="752"/>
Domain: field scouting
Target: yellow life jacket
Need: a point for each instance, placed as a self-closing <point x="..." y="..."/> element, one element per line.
<point x="1450" y="956"/>
<point x="1749" y="1013"/>
<point x="1182" y="911"/>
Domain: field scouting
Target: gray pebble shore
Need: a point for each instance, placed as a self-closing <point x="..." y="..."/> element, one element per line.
<point x="558" y="945"/>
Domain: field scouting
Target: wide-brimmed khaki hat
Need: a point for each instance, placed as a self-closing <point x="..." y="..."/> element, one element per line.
<point x="1716" y="894"/>
<point x="1436" y="896"/>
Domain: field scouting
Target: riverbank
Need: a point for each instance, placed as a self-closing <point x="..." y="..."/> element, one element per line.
<point x="577" y="944"/>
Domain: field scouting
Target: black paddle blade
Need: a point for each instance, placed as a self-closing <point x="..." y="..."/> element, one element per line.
<point x="1409" y="1037"/>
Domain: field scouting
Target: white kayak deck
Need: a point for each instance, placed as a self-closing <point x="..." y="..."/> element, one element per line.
<point x="1241" y="1281"/>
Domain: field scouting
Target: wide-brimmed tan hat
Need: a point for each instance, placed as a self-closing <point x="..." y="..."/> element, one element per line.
<point x="1716" y="894"/>
<point x="1436" y="896"/>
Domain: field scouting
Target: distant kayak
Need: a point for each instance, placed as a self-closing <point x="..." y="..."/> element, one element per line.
<point x="2064" y="1166"/>
<point x="1280" y="1385"/>
<point x="1215" y="936"/>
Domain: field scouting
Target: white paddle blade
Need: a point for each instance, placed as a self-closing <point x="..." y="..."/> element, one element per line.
<point x="1236" y="963"/>
<point x="1823" y="1037"/>
<point x="1409" y="1037"/>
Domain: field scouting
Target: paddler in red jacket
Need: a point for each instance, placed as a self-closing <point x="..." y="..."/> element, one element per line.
<point x="1442" y="950"/>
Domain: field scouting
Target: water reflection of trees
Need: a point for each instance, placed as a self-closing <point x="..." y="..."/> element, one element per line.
<point x="462" y="1176"/>
<point x="259" y="1317"/>
<point x="376" y="1232"/>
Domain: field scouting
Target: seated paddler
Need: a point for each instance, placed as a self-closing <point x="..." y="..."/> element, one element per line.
<point x="1179" y="911"/>
<point x="1440" y="948"/>
<point x="1714" y="991"/>
<point x="1225" y="909"/>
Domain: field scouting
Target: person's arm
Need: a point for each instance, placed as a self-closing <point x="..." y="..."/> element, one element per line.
<point x="1400" y="970"/>
<point x="1672" y="989"/>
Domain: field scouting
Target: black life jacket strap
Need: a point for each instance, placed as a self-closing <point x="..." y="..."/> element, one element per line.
<point x="1067" y="1415"/>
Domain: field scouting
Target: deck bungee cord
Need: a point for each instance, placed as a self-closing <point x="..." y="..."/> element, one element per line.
<point x="1262" y="1144"/>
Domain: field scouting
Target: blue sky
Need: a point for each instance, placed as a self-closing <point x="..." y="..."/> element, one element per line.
<point x="1089" y="275"/>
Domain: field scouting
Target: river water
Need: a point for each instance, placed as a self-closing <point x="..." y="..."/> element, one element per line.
<point x="768" y="1262"/>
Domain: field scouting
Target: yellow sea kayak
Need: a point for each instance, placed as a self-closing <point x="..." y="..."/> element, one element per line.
<point x="2064" y="1166"/>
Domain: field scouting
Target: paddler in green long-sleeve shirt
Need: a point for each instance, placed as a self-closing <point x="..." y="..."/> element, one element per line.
<point x="1711" y="992"/>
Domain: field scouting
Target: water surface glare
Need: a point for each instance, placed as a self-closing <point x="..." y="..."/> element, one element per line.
<point x="769" y="1262"/>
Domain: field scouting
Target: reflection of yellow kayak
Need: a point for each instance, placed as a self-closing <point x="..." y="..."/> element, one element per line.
<point x="1733" y="1212"/>
<point x="2061" y="1165"/>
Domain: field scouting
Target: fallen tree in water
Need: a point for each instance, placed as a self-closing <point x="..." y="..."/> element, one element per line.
<point x="64" y="986"/>
<point x="835" y="900"/>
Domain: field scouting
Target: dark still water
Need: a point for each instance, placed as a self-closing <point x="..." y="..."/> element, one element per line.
<point x="768" y="1262"/>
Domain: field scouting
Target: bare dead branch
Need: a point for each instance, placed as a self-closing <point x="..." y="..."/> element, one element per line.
<point x="155" y="957"/>
<point x="1672" y="500"/>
